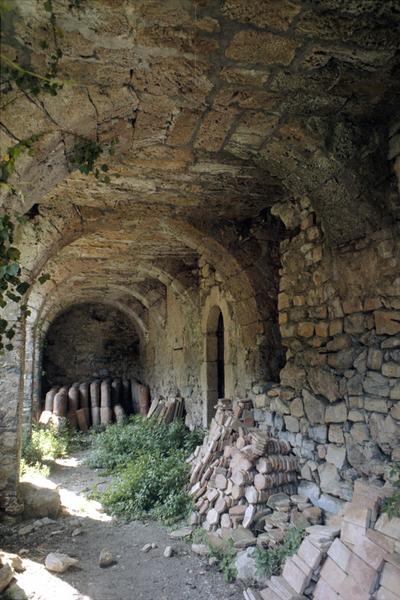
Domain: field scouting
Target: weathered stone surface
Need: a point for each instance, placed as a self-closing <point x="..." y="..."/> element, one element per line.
<point x="236" y="178"/>
<point x="387" y="322"/>
<point x="331" y="483"/>
<point x="336" y="413"/>
<point x="314" y="408"/>
<point x="261" y="47"/>
<point x="59" y="563"/>
<point x="325" y="383"/>
<point x="336" y="455"/>
<point x="40" y="501"/>
<point x="384" y="431"/>
<point x="272" y="13"/>
<point x="106" y="558"/>
<point x="375" y="384"/>
<point x="6" y="575"/>
<point x="246" y="566"/>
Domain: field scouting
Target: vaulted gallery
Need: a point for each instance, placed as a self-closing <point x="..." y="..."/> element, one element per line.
<point x="210" y="204"/>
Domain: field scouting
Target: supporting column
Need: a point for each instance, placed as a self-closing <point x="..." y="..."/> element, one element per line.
<point x="11" y="399"/>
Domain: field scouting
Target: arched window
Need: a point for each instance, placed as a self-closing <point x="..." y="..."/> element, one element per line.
<point x="215" y="361"/>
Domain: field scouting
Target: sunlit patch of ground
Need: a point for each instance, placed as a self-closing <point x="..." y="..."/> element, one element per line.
<point x="39" y="584"/>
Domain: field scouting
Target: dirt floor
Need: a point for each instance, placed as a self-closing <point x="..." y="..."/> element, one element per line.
<point x="84" y="530"/>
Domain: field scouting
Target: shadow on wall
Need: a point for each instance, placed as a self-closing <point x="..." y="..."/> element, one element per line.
<point x="90" y="340"/>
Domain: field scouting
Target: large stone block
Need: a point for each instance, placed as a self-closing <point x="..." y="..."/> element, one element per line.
<point x="314" y="408"/>
<point x="277" y="15"/>
<point x="336" y="413"/>
<point x="387" y="322"/>
<point x="324" y="382"/>
<point x="336" y="455"/>
<point x="39" y="501"/>
<point x="385" y="431"/>
<point x="376" y="384"/>
<point x="331" y="482"/>
<point x="261" y="47"/>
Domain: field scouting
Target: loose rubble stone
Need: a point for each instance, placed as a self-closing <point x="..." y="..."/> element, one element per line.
<point x="106" y="558"/>
<point x="201" y="549"/>
<point x="6" y="575"/>
<point x="59" y="563"/>
<point x="180" y="534"/>
<point x="168" y="552"/>
<point x="39" y="501"/>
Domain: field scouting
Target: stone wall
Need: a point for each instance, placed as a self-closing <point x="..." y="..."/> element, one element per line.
<point x="88" y="341"/>
<point x="338" y="402"/>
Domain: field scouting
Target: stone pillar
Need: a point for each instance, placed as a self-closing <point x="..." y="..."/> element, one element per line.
<point x="11" y="401"/>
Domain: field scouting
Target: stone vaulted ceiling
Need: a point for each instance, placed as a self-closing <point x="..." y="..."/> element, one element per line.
<point x="221" y="108"/>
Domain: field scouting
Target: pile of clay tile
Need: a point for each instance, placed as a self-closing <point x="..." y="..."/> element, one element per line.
<point x="238" y="471"/>
<point x="358" y="559"/>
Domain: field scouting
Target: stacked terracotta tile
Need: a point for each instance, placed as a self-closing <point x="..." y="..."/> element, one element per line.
<point x="238" y="468"/>
<point x="358" y="561"/>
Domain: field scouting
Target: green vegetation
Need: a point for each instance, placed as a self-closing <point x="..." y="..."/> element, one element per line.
<point x="149" y="463"/>
<point x="270" y="560"/>
<point x="47" y="443"/>
<point x="225" y="556"/>
<point x="392" y="504"/>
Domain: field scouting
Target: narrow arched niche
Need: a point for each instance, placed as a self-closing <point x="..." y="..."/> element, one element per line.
<point x="215" y="360"/>
<point x="90" y="340"/>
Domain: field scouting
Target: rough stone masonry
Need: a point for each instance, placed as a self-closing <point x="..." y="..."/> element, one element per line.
<point x="253" y="190"/>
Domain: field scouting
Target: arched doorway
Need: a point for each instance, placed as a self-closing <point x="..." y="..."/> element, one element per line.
<point x="215" y="362"/>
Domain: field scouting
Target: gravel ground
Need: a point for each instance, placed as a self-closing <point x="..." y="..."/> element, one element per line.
<point x="84" y="529"/>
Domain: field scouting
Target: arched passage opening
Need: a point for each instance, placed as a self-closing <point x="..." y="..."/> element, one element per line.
<point x="90" y="340"/>
<point x="215" y="361"/>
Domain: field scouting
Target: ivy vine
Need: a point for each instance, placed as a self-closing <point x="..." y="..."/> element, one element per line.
<point x="83" y="156"/>
<point x="18" y="70"/>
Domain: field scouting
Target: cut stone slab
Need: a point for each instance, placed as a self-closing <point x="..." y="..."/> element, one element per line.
<point x="332" y="574"/>
<point x="357" y="515"/>
<point x="295" y="576"/>
<point x="310" y="554"/>
<point x="371" y="553"/>
<point x="282" y="589"/>
<point x="340" y="554"/>
<point x="323" y="591"/>
<point x="389" y="527"/>
<point x="390" y="578"/>
<point x="323" y="532"/>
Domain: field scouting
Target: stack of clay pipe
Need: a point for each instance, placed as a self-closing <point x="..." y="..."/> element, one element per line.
<point x="99" y="402"/>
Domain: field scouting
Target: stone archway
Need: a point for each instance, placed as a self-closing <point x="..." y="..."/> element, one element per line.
<point x="215" y="361"/>
<point x="217" y="377"/>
